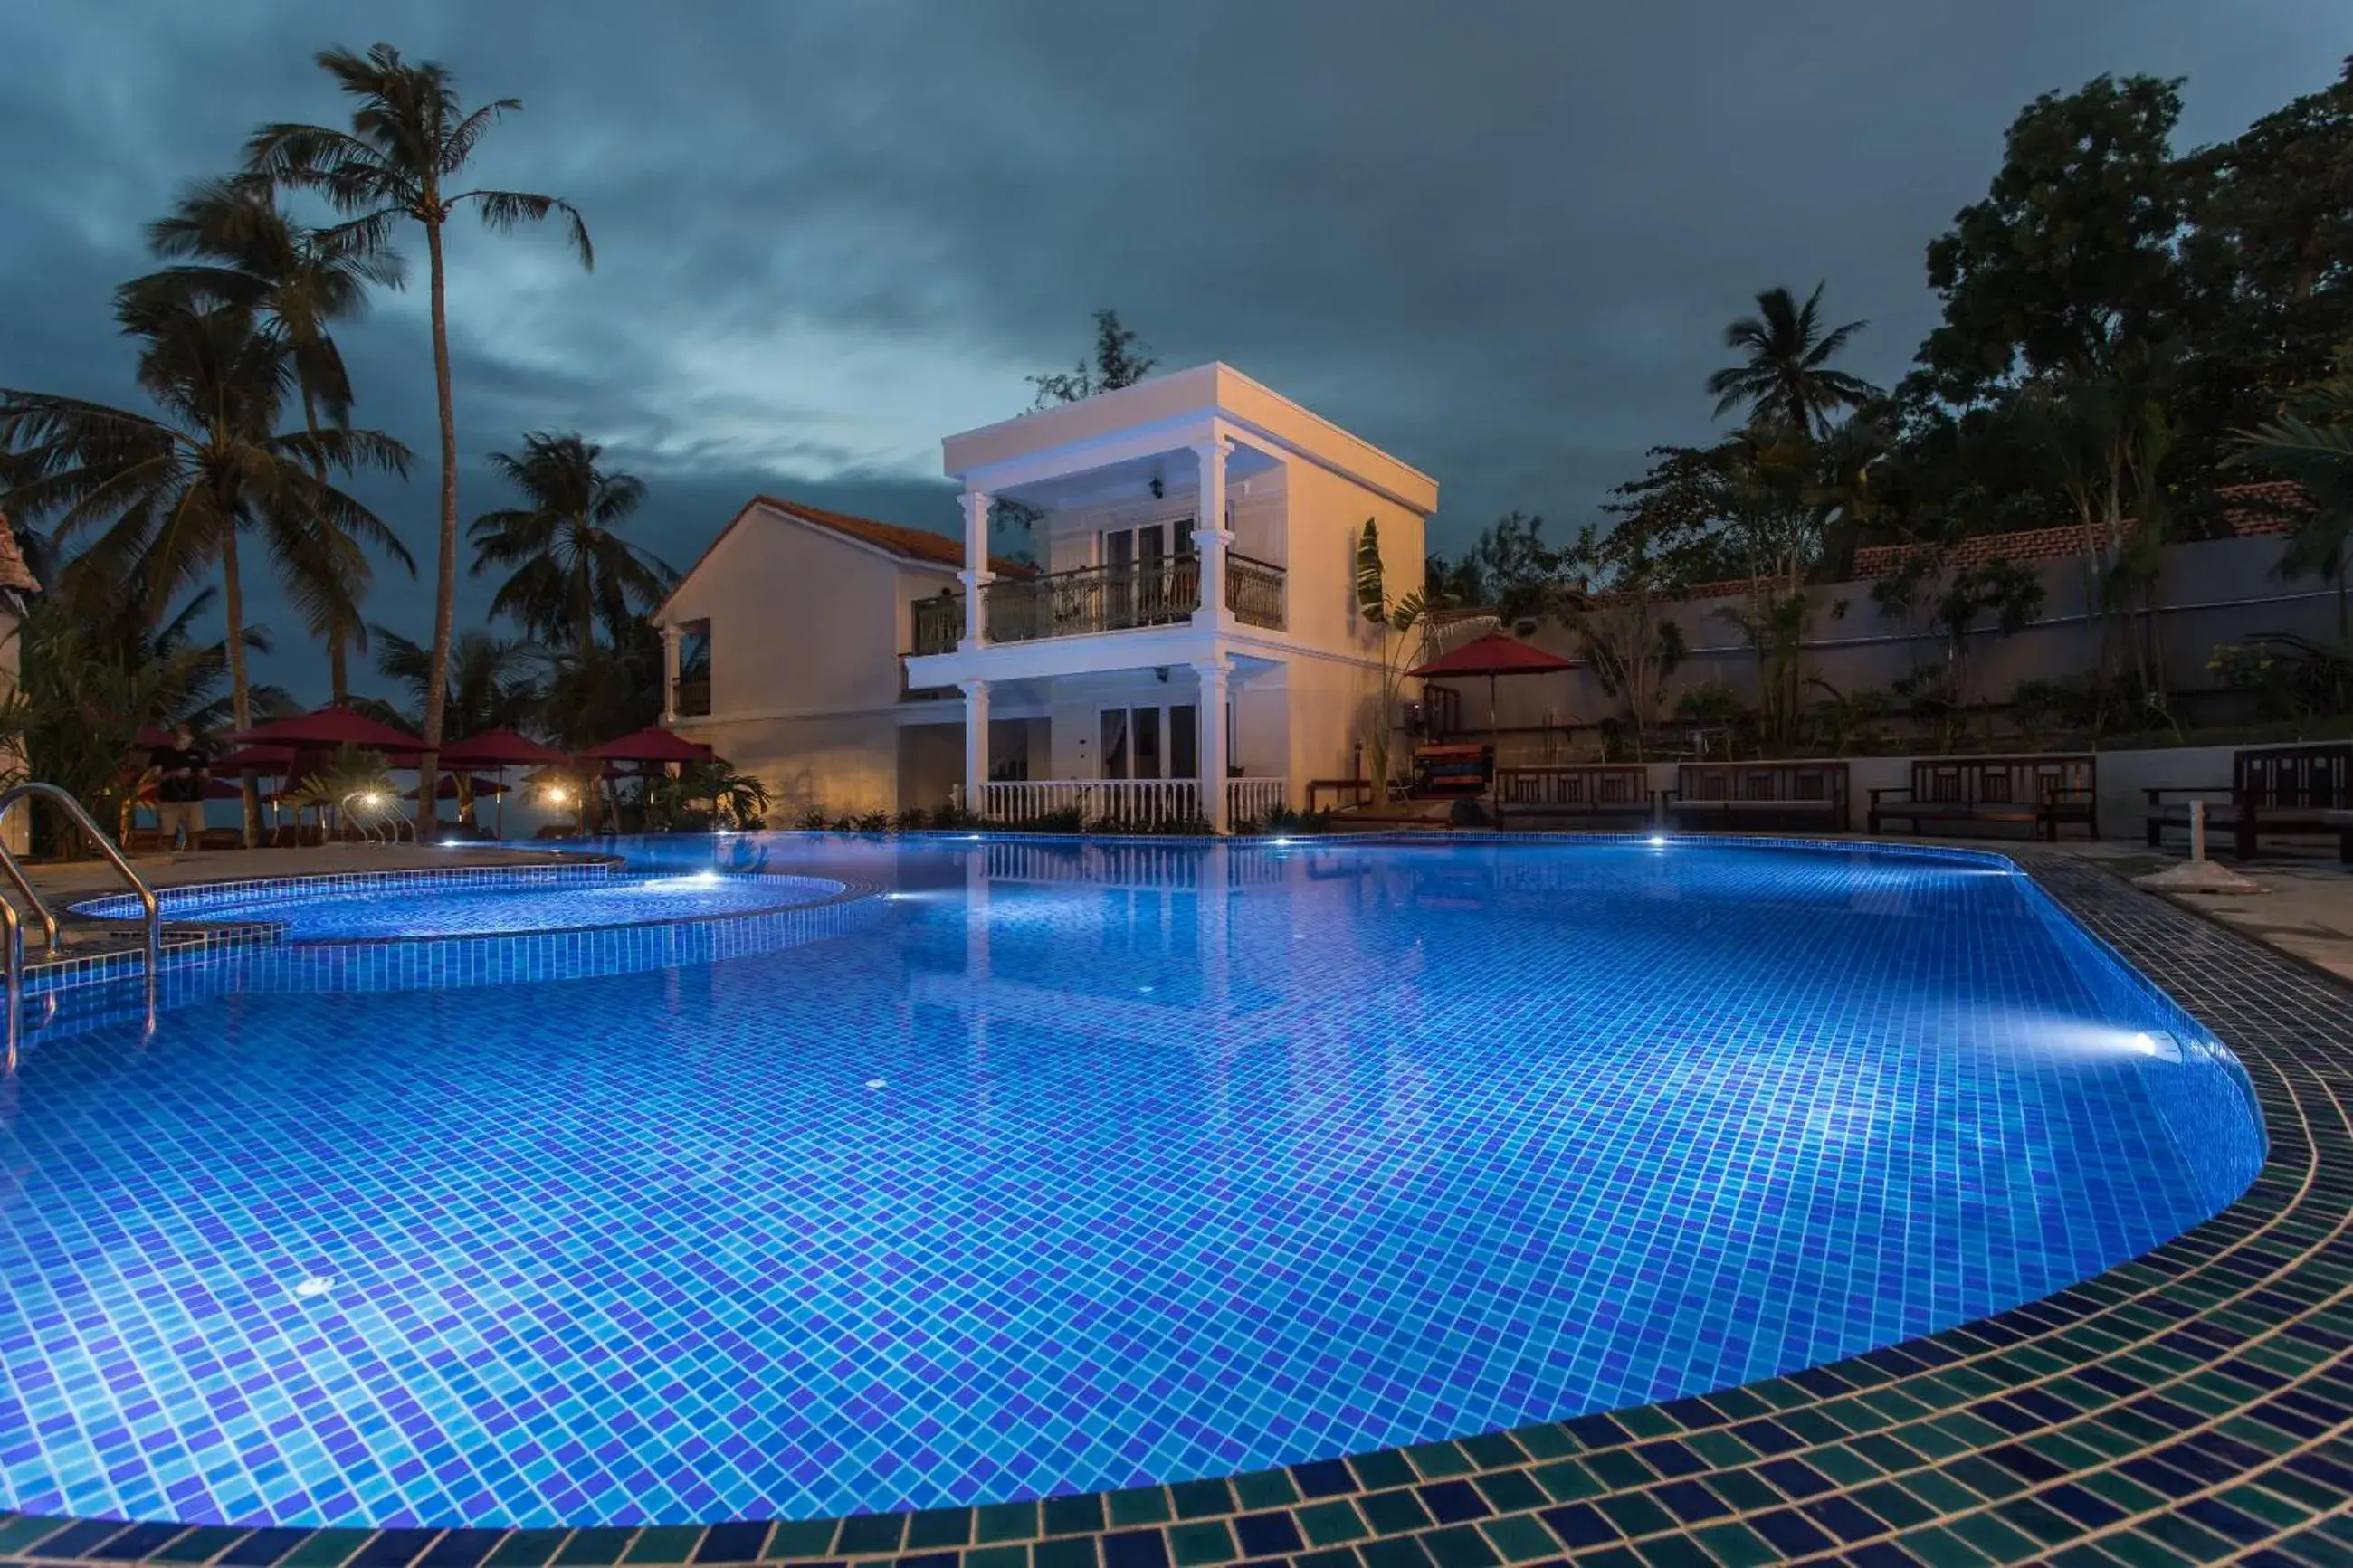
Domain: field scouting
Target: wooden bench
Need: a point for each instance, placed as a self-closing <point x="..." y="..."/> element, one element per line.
<point x="2273" y="789"/>
<point x="1759" y="795"/>
<point x="2036" y="793"/>
<point x="1597" y="791"/>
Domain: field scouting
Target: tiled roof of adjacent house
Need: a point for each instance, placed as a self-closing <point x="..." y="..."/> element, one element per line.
<point x="14" y="573"/>
<point x="2250" y="511"/>
<point x="896" y="538"/>
<point x="914" y="543"/>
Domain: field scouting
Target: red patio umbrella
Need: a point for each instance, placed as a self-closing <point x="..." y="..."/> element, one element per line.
<point x="329" y="727"/>
<point x="271" y="761"/>
<point x="652" y="745"/>
<point x="501" y="749"/>
<point x="1492" y="656"/>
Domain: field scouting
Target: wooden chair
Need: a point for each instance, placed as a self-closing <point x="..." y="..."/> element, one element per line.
<point x="1593" y="791"/>
<point x="2037" y="791"/>
<point x="2273" y="790"/>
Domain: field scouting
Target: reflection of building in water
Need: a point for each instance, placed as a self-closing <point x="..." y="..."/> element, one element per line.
<point x="1236" y="970"/>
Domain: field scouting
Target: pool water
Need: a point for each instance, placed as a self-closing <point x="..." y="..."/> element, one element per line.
<point x="1088" y="1165"/>
<point x="492" y="903"/>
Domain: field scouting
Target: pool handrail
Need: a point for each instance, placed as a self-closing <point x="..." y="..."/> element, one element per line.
<point x="150" y="912"/>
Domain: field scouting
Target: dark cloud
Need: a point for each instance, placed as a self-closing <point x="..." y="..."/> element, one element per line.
<point x="1501" y="241"/>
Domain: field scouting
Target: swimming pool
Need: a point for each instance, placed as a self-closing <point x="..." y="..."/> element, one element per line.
<point x="1084" y="1164"/>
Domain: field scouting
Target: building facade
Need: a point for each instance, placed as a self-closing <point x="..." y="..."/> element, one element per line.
<point x="1187" y="643"/>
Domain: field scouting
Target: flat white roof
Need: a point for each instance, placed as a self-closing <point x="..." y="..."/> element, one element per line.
<point x="1215" y="390"/>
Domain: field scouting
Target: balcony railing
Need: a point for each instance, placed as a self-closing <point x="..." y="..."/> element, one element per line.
<point x="939" y="624"/>
<point x="1100" y="599"/>
<point x="1093" y="599"/>
<point x="693" y="697"/>
<point x="1106" y="599"/>
<point x="1254" y="591"/>
<point x="1125" y="803"/>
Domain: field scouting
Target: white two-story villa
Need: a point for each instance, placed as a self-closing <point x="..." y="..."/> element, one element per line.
<point x="1187" y="643"/>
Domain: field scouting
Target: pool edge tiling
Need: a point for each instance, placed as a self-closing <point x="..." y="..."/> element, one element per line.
<point x="2193" y="1405"/>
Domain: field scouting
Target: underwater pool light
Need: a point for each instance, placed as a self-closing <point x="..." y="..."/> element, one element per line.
<point x="1658" y="841"/>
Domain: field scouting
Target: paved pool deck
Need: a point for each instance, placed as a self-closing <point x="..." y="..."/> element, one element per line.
<point x="2192" y="1405"/>
<point x="2305" y="907"/>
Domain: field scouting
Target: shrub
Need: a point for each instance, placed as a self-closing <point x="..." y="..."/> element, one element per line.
<point x="2292" y="677"/>
<point x="812" y="820"/>
<point x="1845" y="722"/>
<point x="2038" y="709"/>
<point x="1711" y="702"/>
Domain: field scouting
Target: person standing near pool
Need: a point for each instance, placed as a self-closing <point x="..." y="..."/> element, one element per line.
<point x="180" y="787"/>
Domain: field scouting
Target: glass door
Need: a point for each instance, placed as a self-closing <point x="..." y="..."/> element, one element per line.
<point x="1112" y="759"/>
<point x="1150" y="742"/>
<point x="1150" y="575"/>
<point x="1183" y="741"/>
<point x="1146" y="722"/>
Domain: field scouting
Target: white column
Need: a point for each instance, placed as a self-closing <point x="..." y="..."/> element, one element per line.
<point x="1214" y="676"/>
<point x="669" y="675"/>
<point x="1210" y="535"/>
<point x="975" y="575"/>
<point x="975" y="742"/>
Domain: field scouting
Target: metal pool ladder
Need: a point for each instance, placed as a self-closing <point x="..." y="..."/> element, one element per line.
<point x="12" y="922"/>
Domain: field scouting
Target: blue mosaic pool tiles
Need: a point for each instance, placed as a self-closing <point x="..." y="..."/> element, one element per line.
<point x="1042" y="1183"/>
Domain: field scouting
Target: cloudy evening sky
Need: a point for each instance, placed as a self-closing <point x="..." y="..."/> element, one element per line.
<point x="1499" y="240"/>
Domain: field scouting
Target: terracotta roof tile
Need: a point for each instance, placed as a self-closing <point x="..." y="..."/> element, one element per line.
<point x="914" y="543"/>
<point x="2251" y="511"/>
<point x="908" y="544"/>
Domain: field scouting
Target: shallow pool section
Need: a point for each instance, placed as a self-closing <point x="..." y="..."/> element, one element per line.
<point x="490" y="902"/>
<point x="1074" y="1165"/>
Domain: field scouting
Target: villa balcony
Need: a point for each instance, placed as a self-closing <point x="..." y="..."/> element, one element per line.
<point x="1102" y="599"/>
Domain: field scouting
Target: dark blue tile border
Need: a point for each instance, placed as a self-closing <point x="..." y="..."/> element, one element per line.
<point x="2193" y="1405"/>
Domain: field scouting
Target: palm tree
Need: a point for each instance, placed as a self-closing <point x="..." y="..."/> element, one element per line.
<point x="84" y="690"/>
<point x="491" y="683"/>
<point x="2310" y="440"/>
<point x="168" y="496"/>
<point x="491" y="686"/>
<point x="302" y="281"/>
<point x="573" y="572"/>
<point x="1786" y="379"/>
<point x="409" y="137"/>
